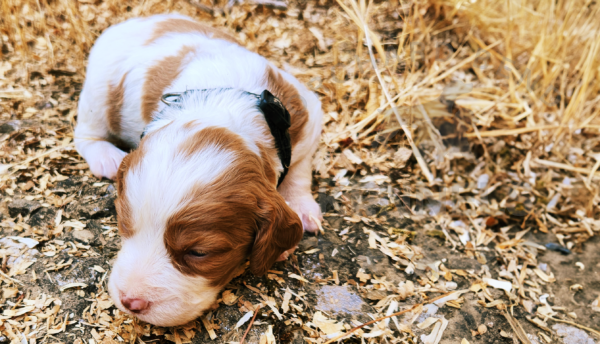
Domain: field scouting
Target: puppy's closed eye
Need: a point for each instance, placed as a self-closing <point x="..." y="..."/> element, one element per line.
<point x="196" y="254"/>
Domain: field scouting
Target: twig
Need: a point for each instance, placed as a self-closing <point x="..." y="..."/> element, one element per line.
<point x="274" y="4"/>
<point x="594" y="169"/>
<point x="405" y="128"/>
<point x="434" y="133"/>
<point x="506" y="132"/>
<point x="406" y="205"/>
<point x="343" y="335"/>
<point x="10" y="278"/>
<point x="566" y="167"/>
<point x="202" y="7"/>
<point x="516" y="326"/>
<point x="250" y="325"/>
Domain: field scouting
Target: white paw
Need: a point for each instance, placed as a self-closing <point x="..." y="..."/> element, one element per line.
<point x="309" y="212"/>
<point x="104" y="159"/>
<point x="286" y="254"/>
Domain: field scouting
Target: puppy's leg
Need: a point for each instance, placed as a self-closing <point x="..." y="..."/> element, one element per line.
<point x="295" y="189"/>
<point x="102" y="156"/>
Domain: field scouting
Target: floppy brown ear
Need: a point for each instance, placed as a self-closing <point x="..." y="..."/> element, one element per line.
<point x="280" y="230"/>
<point x="121" y="173"/>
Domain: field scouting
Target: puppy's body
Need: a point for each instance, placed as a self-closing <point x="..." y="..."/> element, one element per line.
<point x="199" y="195"/>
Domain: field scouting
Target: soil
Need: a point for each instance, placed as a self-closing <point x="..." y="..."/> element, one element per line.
<point x="316" y="262"/>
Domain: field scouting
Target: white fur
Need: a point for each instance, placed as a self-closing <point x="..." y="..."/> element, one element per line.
<point x="158" y="187"/>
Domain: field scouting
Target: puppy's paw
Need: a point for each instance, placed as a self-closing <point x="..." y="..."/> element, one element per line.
<point x="104" y="159"/>
<point x="309" y="212"/>
<point x="286" y="254"/>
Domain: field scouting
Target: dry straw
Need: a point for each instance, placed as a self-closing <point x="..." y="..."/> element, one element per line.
<point x="516" y="79"/>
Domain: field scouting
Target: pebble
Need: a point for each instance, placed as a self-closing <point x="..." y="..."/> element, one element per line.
<point x="558" y="248"/>
<point x="9" y="127"/>
<point x="482" y="181"/>
<point x="23" y="207"/>
<point x="338" y="299"/>
<point x="83" y="236"/>
<point x="572" y="335"/>
<point x="308" y="243"/>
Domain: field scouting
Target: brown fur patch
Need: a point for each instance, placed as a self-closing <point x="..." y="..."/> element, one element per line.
<point x="158" y="78"/>
<point x="190" y="125"/>
<point x="177" y="25"/>
<point x="236" y="216"/>
<point x="216" y="136"/>
<point x="115" y="98"/>
<point x="266" y="153"/>
<point x="124" y="216"/>
<point x="289" y="96"/>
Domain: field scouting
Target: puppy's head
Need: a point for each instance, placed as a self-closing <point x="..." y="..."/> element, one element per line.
<point x="194" y="204"/>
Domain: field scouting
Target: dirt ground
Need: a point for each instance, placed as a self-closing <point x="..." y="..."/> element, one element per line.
<point x="346" y="298"/>
<point x="459" y="184"/>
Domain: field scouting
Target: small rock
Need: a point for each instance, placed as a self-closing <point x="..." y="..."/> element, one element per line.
<point x="9" y="127"/>
<point x="23" y="207"/>
<point x="482" y="181"/>
<point x="402" y="155"/>
<point x="572" y="335"/>
<point x="111" y="189"/>
<point x="558" y="248"/>
<point x="84" y="236"/>
<point x="297" y="337"/>
<point x="99" y="208"/>
<point x="338" y="299"/>
<point x="308" y="243"/>
<point x="326" y="202"/>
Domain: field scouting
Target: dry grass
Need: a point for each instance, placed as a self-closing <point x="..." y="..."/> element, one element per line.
<point x="531" y="64"/>
<point x="501" y="91"/>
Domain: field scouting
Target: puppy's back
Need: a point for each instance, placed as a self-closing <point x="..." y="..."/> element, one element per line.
<point x="129" y="57"/>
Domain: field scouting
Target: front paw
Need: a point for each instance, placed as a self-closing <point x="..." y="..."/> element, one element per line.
<point x="286" y="254"/>
<point x="309" y="212"/>
<point x="104" y="159"/>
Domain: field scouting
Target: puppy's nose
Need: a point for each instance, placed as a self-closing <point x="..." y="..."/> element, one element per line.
<point x="134" y="305"/>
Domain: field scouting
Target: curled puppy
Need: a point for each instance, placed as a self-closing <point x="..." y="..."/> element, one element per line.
<point x="221" y="167"/>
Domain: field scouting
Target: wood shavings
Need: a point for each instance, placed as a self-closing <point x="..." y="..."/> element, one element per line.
<point x="504" y="285"/>
<point x="506" y="127"/>
<point x="329" y="327"/>
<point x="229" y="297"/>
<point x="298" y="277"/>
<point x="517" y="328"/>
<point x="438" y="330"/>
<point x="209" y="327"/>
<point x="285" y="305"/>
<point x="244" y="319"/>
<point x="545" y="277"/>
<point x="449" y="297"/>
<point x="73" y="285"/>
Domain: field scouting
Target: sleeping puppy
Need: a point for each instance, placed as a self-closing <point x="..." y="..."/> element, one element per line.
<point x="221" y="167"/>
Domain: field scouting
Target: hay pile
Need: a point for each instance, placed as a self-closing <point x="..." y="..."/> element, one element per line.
<point x="480" y="119"/>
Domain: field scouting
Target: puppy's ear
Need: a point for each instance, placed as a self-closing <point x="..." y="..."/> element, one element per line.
<point x="121" y="173"/>
<point x="279" y="230"/>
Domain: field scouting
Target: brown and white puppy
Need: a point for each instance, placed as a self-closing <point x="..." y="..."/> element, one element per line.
<point x="199" y="195"/>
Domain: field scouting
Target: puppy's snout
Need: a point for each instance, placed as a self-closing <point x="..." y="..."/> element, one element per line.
<point x="135" y="305"/>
